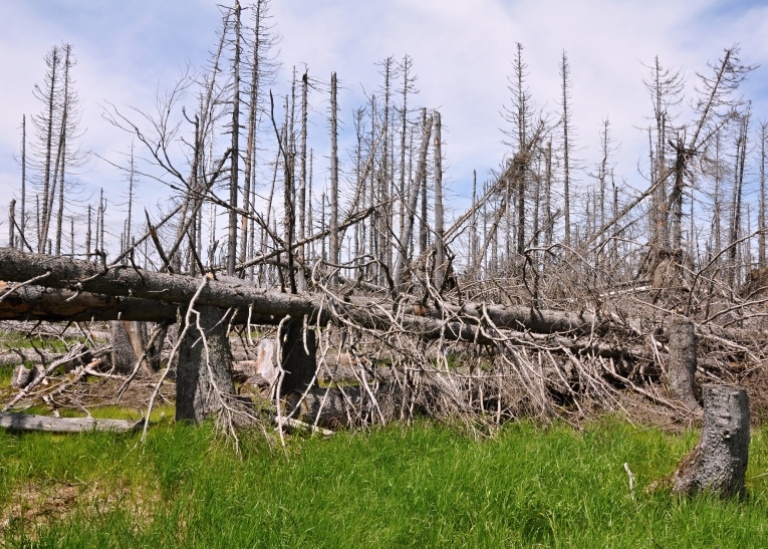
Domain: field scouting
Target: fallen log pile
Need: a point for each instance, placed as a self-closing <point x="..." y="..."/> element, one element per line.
<point x="413" y="355"/>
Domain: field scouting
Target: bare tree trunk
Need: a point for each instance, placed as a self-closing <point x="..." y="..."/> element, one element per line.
<point x="421" y="170"/>
<point x="169" y="288"/>
<point x="251" y="147"/>
<point x="127" y="346"/>
<point x="12" y="224"/>
<point x="421" y="182"/>
<point x="235" y="172"/>
<point x="88" y="236"/>
<point x="297" y="351"/>
<point x="473" y="227"/>
<point x="676" y="197"/>
<point x="53" y="61"/>
<point x="682" y="361"/>
<point x="738" y="184"/>
<point x="565" y="71"/>
<point x="23" y="220"/>
<point x="761" y="225"/>
<point x="719" y="461"/>
<point x="549" y="231"/>
<point x="204" y="385"/>
<point x="440" y="265"/>
<point x="385" y="226"/>
<point x="334" y="198"/>
<point x="302" y="283"/>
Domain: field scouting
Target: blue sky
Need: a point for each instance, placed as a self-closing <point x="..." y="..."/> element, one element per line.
<point x="462" y="51"/>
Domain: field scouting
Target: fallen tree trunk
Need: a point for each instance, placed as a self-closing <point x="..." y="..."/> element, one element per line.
<point x="28" y="422"/>
<point x="265" y="306"/>
<point x="39" y="303"/>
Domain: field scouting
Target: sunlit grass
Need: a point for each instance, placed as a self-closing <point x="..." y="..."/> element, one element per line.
<point x="418" y="486"/>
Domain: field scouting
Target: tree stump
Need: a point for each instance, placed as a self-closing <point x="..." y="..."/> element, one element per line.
<point x="23" y="376"/>
<point x="204" y="384"/>
<point x="681" y="366"/>
<point x="123" y="355"/>
<point x="298" y="361"/>
<point x="718" y="462"/>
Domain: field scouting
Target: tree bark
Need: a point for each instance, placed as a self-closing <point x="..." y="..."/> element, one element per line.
<point x="38" y="303"/>
<point x="123" y="355"/>
<point x="297" y="352"/>
<point x="272" y="307"/>
<point x="440" y="256"/>
<point x="718" y="462"/>
<point x="682" y="361"/>
<point x="204" y="385"/>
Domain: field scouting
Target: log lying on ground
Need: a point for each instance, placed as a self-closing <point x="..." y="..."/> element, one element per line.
<point x="267" y="306"/>
<point x="40" y="303"/>
<point x="28" y="422"/>
<point x="719" y="460"/>
<point x="10" y="358"/>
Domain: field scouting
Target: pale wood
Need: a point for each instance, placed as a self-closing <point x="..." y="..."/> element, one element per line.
<point x="29" y="422"/>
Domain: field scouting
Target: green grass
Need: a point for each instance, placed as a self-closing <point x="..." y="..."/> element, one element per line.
<point x="422" y="486"/>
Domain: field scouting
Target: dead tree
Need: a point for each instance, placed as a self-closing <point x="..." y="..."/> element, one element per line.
<point x="204" y="385"/>
<point x="334" y="199"/>
<point x="682" y="361"/>
<point x="565" y="75"/>
<point x="298" y="346"/>
<point x="718" y="462"/>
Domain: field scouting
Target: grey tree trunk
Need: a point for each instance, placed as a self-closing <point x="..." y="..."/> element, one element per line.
<point x="123" y="353"/>
<point x="718" y="462"/>
<point x="131" y="341"/>
<point x="204" y="385"/>
<point x="761" y="207"/>
<point x="297" y="352"/>
<point x="233" y="184"/>
<point x="23" y="219"/>
<point x="152" y="287"/>
<point x="334" y="199"/>
<point x="302" y="283"/>
<point x="421" y="171"/>
<point x="12" y="224"/>
<point x="565" y="73"/>
<point x="440" y="257"/>
<point x="53" y="61"/>
<point x="682" y="361"/>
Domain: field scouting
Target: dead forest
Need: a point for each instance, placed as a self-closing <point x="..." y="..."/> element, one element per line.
<point x="257" y="296"/>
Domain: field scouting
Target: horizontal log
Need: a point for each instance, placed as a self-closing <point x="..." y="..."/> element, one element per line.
<point x="56" y="305"/>
<point x="263" y="306"/>
<point x="121" y="280"/>
<point x="29" y="422"/>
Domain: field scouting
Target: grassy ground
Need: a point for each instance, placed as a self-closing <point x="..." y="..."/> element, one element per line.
<point x="423" y="486"/>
